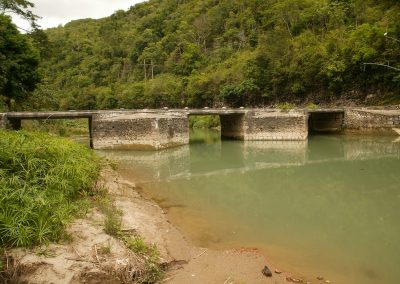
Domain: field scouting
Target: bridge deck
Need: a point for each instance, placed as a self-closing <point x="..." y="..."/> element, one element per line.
<point x="89" y="113"/>
<point x="51" y="115"/>
<point x="331" y="110"/>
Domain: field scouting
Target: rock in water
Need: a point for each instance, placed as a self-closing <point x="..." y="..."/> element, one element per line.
<point x="267" y="272"/>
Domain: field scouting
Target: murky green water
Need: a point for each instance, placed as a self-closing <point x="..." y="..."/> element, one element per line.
<point x="329" y="206"/>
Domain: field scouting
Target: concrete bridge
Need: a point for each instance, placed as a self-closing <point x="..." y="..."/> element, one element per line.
<point x="160" y="129"/>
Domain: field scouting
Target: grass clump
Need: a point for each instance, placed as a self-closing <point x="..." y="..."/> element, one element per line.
<point x="151" y="271"/>
<point x="286" y="106"/>
<point x="112" y="216"/>
<point x="311" y="106"/>
<point x="64" y="128"/>
<point x="147" y="268"/>
<point x="42" y="181"/>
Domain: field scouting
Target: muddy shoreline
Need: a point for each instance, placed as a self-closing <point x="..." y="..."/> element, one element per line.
<point x="81" y="260"/>
<point x="186" y="262"/>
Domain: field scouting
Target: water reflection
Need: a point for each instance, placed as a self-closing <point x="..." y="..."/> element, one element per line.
<point x="232" y="156"/>
<point x="326" y="206"/>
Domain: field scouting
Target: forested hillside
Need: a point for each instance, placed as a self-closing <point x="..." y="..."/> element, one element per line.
<point x="200" y="53"/>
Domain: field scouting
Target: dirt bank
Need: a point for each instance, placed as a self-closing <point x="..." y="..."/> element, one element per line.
<point x="92" y="256"/>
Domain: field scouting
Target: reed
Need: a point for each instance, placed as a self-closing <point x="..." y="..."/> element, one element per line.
<point x="42" y="181"/>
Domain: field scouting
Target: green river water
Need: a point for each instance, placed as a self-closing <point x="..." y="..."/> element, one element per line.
<point x="328" y="206"/>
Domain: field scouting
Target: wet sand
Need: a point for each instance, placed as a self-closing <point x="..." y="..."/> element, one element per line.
<point x="78" y="261"/>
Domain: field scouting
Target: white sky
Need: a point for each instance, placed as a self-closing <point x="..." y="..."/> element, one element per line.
<point x="60" y="12"/>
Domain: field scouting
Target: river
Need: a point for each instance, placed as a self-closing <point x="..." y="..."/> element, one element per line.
<point x="329" y="206"/>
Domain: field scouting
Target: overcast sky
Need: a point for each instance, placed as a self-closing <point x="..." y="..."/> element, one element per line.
<point x="60" y="12"/>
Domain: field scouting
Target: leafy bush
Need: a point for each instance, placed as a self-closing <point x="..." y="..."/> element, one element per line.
<point x="42" y="179"/>
<point x="311" y="106"/>
<point x="286" y="106"/>
<point x="207" y="121"/>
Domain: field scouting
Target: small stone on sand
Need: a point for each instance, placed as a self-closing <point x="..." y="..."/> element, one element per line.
<point x="266" y="271"/>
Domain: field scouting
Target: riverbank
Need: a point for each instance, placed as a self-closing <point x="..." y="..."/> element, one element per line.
<point x="92" y="256"/>
<point x="185" y="262"/>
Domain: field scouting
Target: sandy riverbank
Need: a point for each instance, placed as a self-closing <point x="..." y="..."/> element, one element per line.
<point x="82" y="260"/>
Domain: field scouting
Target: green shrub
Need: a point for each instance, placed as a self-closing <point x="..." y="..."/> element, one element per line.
<point x="42" y="181"/>
<point x="64" y="128"/>
<point x="203" y="122"/>
<point x="311" y="106"/>
<point x="152" y="271"/>
<point x="286" y="106"/>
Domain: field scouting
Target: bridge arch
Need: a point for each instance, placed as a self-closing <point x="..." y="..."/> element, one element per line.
<point x="14" y="120"/>
<point x="232" y="124"/>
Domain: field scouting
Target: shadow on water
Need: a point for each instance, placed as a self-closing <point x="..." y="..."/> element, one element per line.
<point x="326" y="206"/>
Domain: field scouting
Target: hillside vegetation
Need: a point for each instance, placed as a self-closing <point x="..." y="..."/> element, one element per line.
<point x="200" y="53"/>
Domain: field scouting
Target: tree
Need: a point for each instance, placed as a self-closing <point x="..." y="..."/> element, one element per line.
<point x="225" y="52"/>
<point x="19" y="63"/>
<point x="21" y="8"/>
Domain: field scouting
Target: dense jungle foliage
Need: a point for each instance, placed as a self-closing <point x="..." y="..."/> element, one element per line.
<point x="200" y="53"/>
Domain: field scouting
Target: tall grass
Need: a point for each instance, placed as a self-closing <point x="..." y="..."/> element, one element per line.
<point x="42" y="180"/>
<point x="64" y="127"/>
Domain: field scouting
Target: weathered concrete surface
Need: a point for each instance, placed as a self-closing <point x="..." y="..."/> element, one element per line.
<point x="331" y="120"/>
<point x="160" y="129"/>
<point x="3" y="120"/>
<point x="9" y="123"/>
<point x="54" y="114"/>
<point x="151" y="131"/>
<point x="275" y="125"/>
<point x="372" y="120"/>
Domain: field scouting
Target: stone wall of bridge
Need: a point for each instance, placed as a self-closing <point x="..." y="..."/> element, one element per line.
<point x="3" y="121"/>
<point x="142" y="131"/>
<point x="363" y="120"/>
<point x="166" y="129"/>
<point x="160" y="129"/>
<point x="275" y="125"/>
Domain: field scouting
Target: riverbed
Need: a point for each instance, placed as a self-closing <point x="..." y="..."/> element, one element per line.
<point x="323" y="207"/>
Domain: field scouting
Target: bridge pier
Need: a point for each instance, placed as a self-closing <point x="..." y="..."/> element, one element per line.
<point x="3" y="120"/>
<point x="140" y="131"/>
<point x="369" y="120"/>
<point x="9" y="123"/>
<point x="90" y="126"/>
<point x="272" y="125"/>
